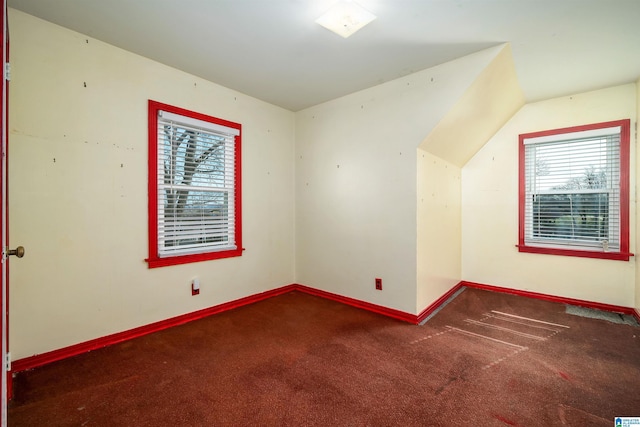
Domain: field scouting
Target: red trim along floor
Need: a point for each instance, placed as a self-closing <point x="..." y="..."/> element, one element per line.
<point x="73" y="350"/>
<point x="563" y="300"/>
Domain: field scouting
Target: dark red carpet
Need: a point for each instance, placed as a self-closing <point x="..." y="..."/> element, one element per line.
<point x="486" y="359"/>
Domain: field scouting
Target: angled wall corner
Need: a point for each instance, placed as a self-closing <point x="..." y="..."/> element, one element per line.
<point x="356" y="167"/>
<point x="491" y="100"/>
<point x="439" y="239"/>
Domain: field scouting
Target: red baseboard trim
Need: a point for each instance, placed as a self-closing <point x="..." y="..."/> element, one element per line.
<point x="389" y="312"/>
<point x="37" y="360"/>
<point x="83" y="347"/>
<point x="437" y="303"/>
<point x="564" y="300"/>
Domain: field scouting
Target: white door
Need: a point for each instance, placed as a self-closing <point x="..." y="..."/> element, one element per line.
<point x="4" y="323"/>
<point x="3" y="208"/>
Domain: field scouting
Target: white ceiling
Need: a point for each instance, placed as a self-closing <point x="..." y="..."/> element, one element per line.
<point x="273" y="49"/>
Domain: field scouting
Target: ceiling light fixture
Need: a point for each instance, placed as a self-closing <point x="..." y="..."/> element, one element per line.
<point x="345" y="18"/>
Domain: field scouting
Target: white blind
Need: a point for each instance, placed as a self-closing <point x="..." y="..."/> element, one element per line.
<point x="196" y="179"/>
<point x="572" y="191"/>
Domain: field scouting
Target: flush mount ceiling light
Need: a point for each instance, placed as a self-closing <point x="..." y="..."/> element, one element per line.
<point x="345" y="18"/>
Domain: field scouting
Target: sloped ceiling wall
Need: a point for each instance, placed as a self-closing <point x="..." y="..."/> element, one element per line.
<point x="492" y="99"/>
<point x="356" y="185"/>
<point x="489" y="101"/>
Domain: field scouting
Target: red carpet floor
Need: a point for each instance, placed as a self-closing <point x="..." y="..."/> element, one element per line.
<point x="486" y="359"/>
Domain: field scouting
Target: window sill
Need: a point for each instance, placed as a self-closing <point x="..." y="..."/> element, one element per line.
<point x="154" y="262"/>
<point x="617" y="256"/>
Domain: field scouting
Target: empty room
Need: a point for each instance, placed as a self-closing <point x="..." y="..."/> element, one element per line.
<point x="320" y="212"/>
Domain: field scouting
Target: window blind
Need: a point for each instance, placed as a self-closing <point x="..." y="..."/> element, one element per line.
<point x="196" y="179"/>
<point x="572" y="191"/>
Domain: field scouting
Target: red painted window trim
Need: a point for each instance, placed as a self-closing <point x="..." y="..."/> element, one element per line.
<point x="623" y="254"/>
<point x="154" y="259"/>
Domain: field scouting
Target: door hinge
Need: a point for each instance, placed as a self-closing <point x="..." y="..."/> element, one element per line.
<point x="7" y="71"/>
<point x="8" y="362"/>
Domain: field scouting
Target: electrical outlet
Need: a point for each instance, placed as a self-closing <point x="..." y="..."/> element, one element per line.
<point x="378" y="284"/>
<point x="195" y="287"/>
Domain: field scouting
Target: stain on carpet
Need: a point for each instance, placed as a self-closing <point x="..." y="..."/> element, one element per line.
<point x="592" y="313"/>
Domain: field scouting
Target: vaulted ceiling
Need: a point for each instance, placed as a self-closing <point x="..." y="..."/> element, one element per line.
<point x="273" y="49"/>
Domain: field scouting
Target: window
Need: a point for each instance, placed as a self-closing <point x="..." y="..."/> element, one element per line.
<point x="194" y="187"/>
<point x="574" y="191"/>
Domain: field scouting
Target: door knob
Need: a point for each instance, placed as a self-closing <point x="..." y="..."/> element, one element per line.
<point x="19" y="252"/>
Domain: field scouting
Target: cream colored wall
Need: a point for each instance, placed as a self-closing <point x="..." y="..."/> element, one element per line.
<point x="490" y="208"/>
<point x="492" y="99"/>
<point x="356" y="174"/>
<point x="438" y="229"/>
<point x="487" y="104"/>
<point x="78" y="191"/>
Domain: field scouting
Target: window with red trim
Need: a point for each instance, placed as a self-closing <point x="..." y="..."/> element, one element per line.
<point x="574" y="191"/>
<point x="194" y="187"/>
